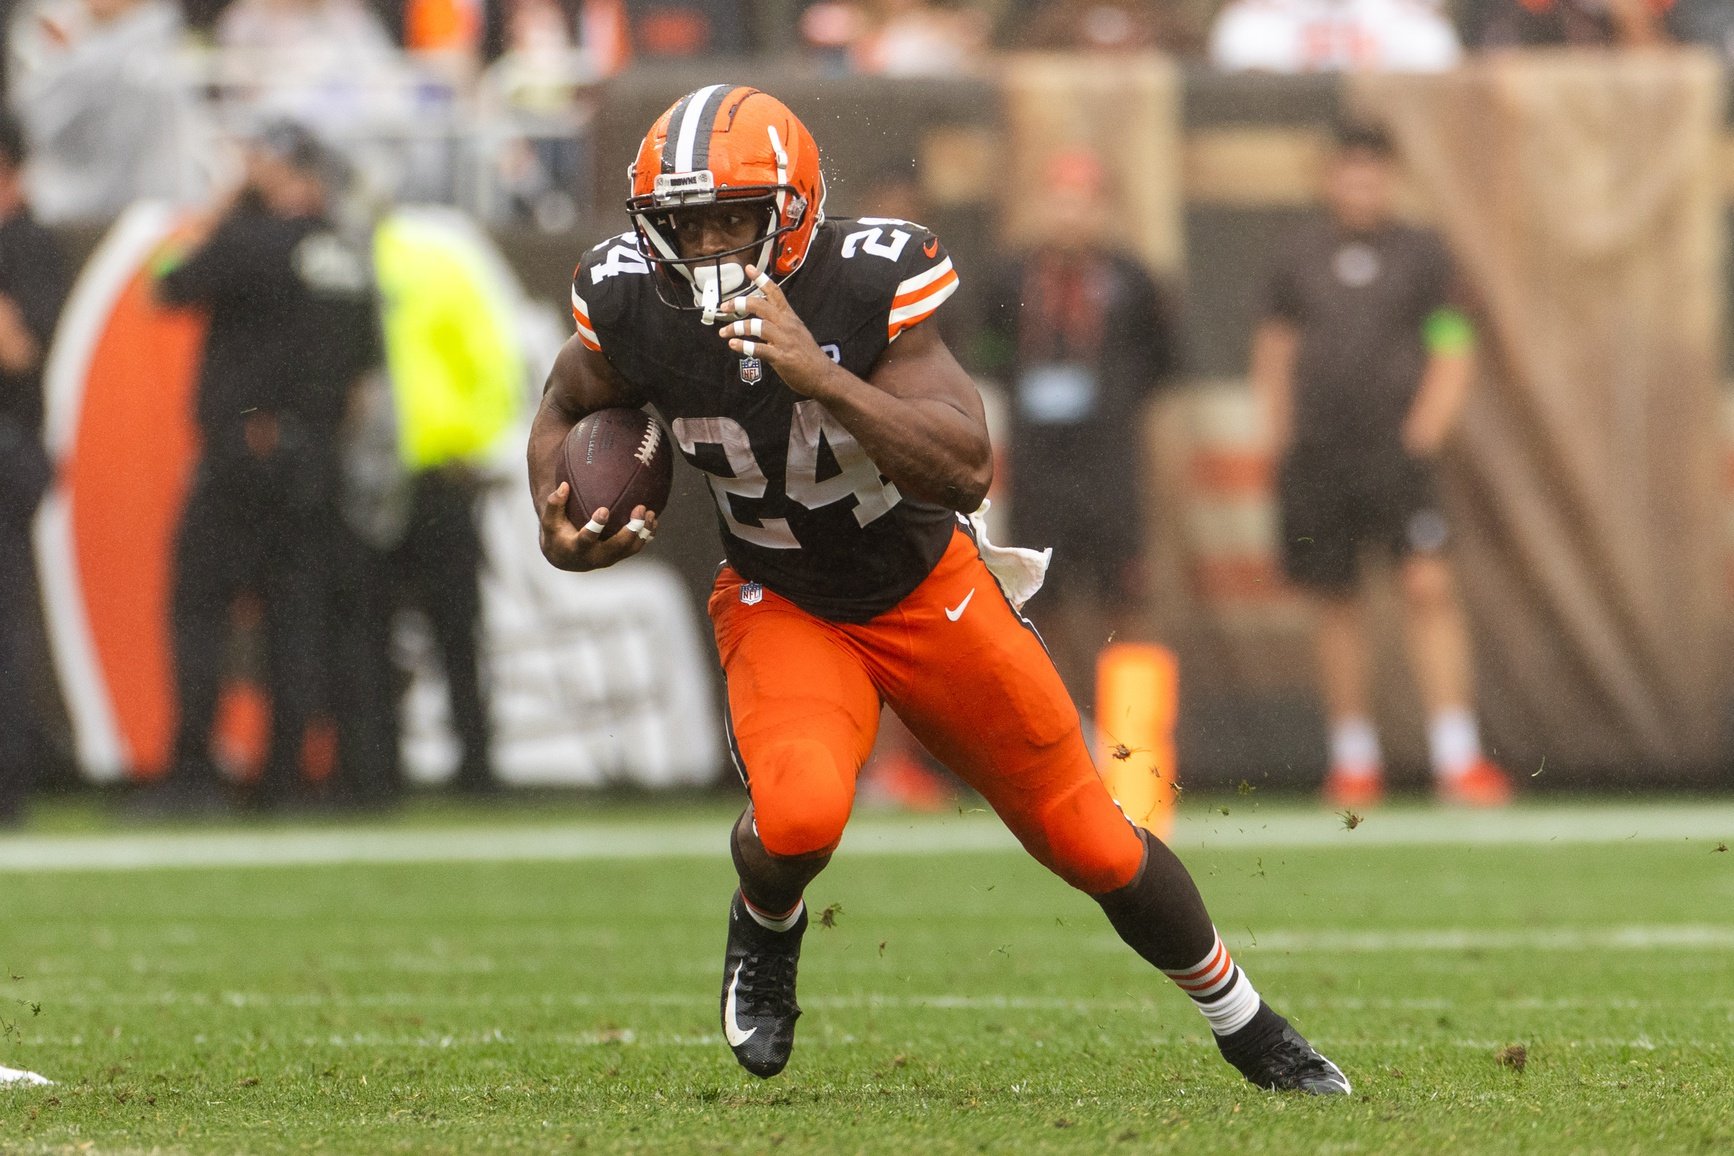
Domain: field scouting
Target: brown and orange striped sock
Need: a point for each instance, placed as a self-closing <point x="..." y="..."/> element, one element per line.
<point x="1221" y="990"/>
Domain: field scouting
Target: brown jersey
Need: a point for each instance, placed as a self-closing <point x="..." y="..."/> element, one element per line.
<point x="803" y="509"/>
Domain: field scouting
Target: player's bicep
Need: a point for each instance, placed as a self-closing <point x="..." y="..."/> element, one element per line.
<point x="583" y="381"/>
<point x="919" y="366"/>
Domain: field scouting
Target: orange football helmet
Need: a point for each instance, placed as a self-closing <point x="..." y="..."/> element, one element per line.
<point x="725" y="143"/>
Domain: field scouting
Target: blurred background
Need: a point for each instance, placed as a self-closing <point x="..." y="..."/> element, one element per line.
<point x="1575" y="155"/>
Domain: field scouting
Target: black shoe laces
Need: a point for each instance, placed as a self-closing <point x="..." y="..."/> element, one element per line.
<point x="1292" y="1059"/>
<point x="766" y="984"/>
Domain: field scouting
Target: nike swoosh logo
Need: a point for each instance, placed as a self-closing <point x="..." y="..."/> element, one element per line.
<point x="931" y="247"/>
<point x="731" y="1028"/>
<point x="954" y="615"/>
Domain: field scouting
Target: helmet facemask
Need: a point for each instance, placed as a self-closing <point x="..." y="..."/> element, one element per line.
<point x="703" y="283"/>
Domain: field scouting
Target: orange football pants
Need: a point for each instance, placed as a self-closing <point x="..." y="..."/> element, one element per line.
<point x="979" y="691"/>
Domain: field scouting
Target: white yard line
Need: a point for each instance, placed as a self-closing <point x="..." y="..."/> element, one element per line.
<point x="1155" y="996"/>
<point x="626" y="1037"/>
<point x="1640" y="937"/>
<point x="630" y="1037"/>
<point x="1246" y="827"/>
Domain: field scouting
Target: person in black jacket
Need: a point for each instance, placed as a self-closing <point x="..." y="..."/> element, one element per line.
<point x="292" y="329"/>
<point x="1082" y="336"/>
<point x="32" y="290"/>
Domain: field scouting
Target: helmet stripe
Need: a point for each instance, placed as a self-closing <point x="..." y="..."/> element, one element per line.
<point x="707" y="119"/>
<point x="694" y="118"/>
<point x="782" y="156"/>
<point x="670" y="143"/>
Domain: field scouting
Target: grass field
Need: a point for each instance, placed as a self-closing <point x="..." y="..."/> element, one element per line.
<point x="512" y="981"/>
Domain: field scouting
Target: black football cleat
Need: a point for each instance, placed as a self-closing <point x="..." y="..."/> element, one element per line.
<point x="1287" y="1063"/>
<point x="758" y="992"/>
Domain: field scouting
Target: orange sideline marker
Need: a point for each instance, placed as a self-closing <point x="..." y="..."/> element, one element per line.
<point x="1137" y="702"/>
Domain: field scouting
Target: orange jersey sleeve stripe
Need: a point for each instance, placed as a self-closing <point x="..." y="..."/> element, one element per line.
<point x="914" y="295"/>
<point x="903" y="317"/>
<point x="581" y="318"/>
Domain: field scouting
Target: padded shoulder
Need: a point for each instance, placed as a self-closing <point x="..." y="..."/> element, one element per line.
<point x="899" y="265"/>
<point x="608" y="276"/>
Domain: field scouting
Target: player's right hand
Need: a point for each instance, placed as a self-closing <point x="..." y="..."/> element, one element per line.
<point x="583" y="548"/>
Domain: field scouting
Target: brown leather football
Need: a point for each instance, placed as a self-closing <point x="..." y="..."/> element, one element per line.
<point x="618" y="458"/>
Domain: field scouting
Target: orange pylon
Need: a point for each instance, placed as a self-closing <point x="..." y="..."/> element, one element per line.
<point x="1137" y="703"/>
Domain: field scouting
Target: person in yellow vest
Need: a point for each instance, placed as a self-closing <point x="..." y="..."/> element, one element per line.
<point x="456" y="380"/>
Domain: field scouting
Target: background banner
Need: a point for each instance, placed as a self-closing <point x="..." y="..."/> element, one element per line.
<point x="1580" y="195"/>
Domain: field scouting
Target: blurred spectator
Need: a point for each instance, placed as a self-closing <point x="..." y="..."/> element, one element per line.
<point x="1081" y="335"/>
<point x="682" y="29"/>
<point x="1363" y="361"/>
<point x="605" y="35"/>
<point x="539" y="31"/>
<point x="1536" y="23"/>
<point x="614" y="33"/>
<point x="328" y="64"/>
<point x="109" y="109"/>
<point x="292" y="329"/>
<point x="32" y="289"/>
<point x="920" y="38"/>
<point x="1291" y="36"/>
<point x="312" y="35"/>
<point x="444" y="27"/>
<point x="1106" y="26"/>
<point x="457" y="377"/>
<point x="540" y="165"/>
<point x="831" y="29"/>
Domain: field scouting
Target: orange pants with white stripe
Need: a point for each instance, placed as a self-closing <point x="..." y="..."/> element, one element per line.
<point x="967" y="675"/>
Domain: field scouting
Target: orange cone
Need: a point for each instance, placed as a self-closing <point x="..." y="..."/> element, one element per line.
<point x="1137" y="704"/>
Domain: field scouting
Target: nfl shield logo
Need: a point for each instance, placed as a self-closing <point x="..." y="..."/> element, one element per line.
<point x="751" y="370"/>
<point x="752" y="593"/>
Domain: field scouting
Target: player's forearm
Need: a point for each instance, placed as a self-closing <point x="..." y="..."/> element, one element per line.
<point x="930" y="450"/>
<point x="547" y="432"/>
<point x="580" y="383"/>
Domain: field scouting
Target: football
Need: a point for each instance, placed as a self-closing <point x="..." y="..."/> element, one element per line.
<point x="618" y="458"/>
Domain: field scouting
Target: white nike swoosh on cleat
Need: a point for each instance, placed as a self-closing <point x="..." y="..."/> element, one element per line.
<point x="954" y="615"/>
<point x="19" y="1076"/>
<point x="731" y="1028"/>
<point x="1337" y="1075"/>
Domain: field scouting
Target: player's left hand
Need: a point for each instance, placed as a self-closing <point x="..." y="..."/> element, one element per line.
<point x="770" y="329"/>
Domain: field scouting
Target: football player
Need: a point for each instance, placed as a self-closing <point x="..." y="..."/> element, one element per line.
<point x="788" y="354"/>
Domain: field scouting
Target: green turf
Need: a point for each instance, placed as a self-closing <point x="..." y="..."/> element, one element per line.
<point x="961" y="1003"/>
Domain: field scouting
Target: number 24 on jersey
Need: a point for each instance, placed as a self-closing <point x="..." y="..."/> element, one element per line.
<point x="857" y="476"/>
